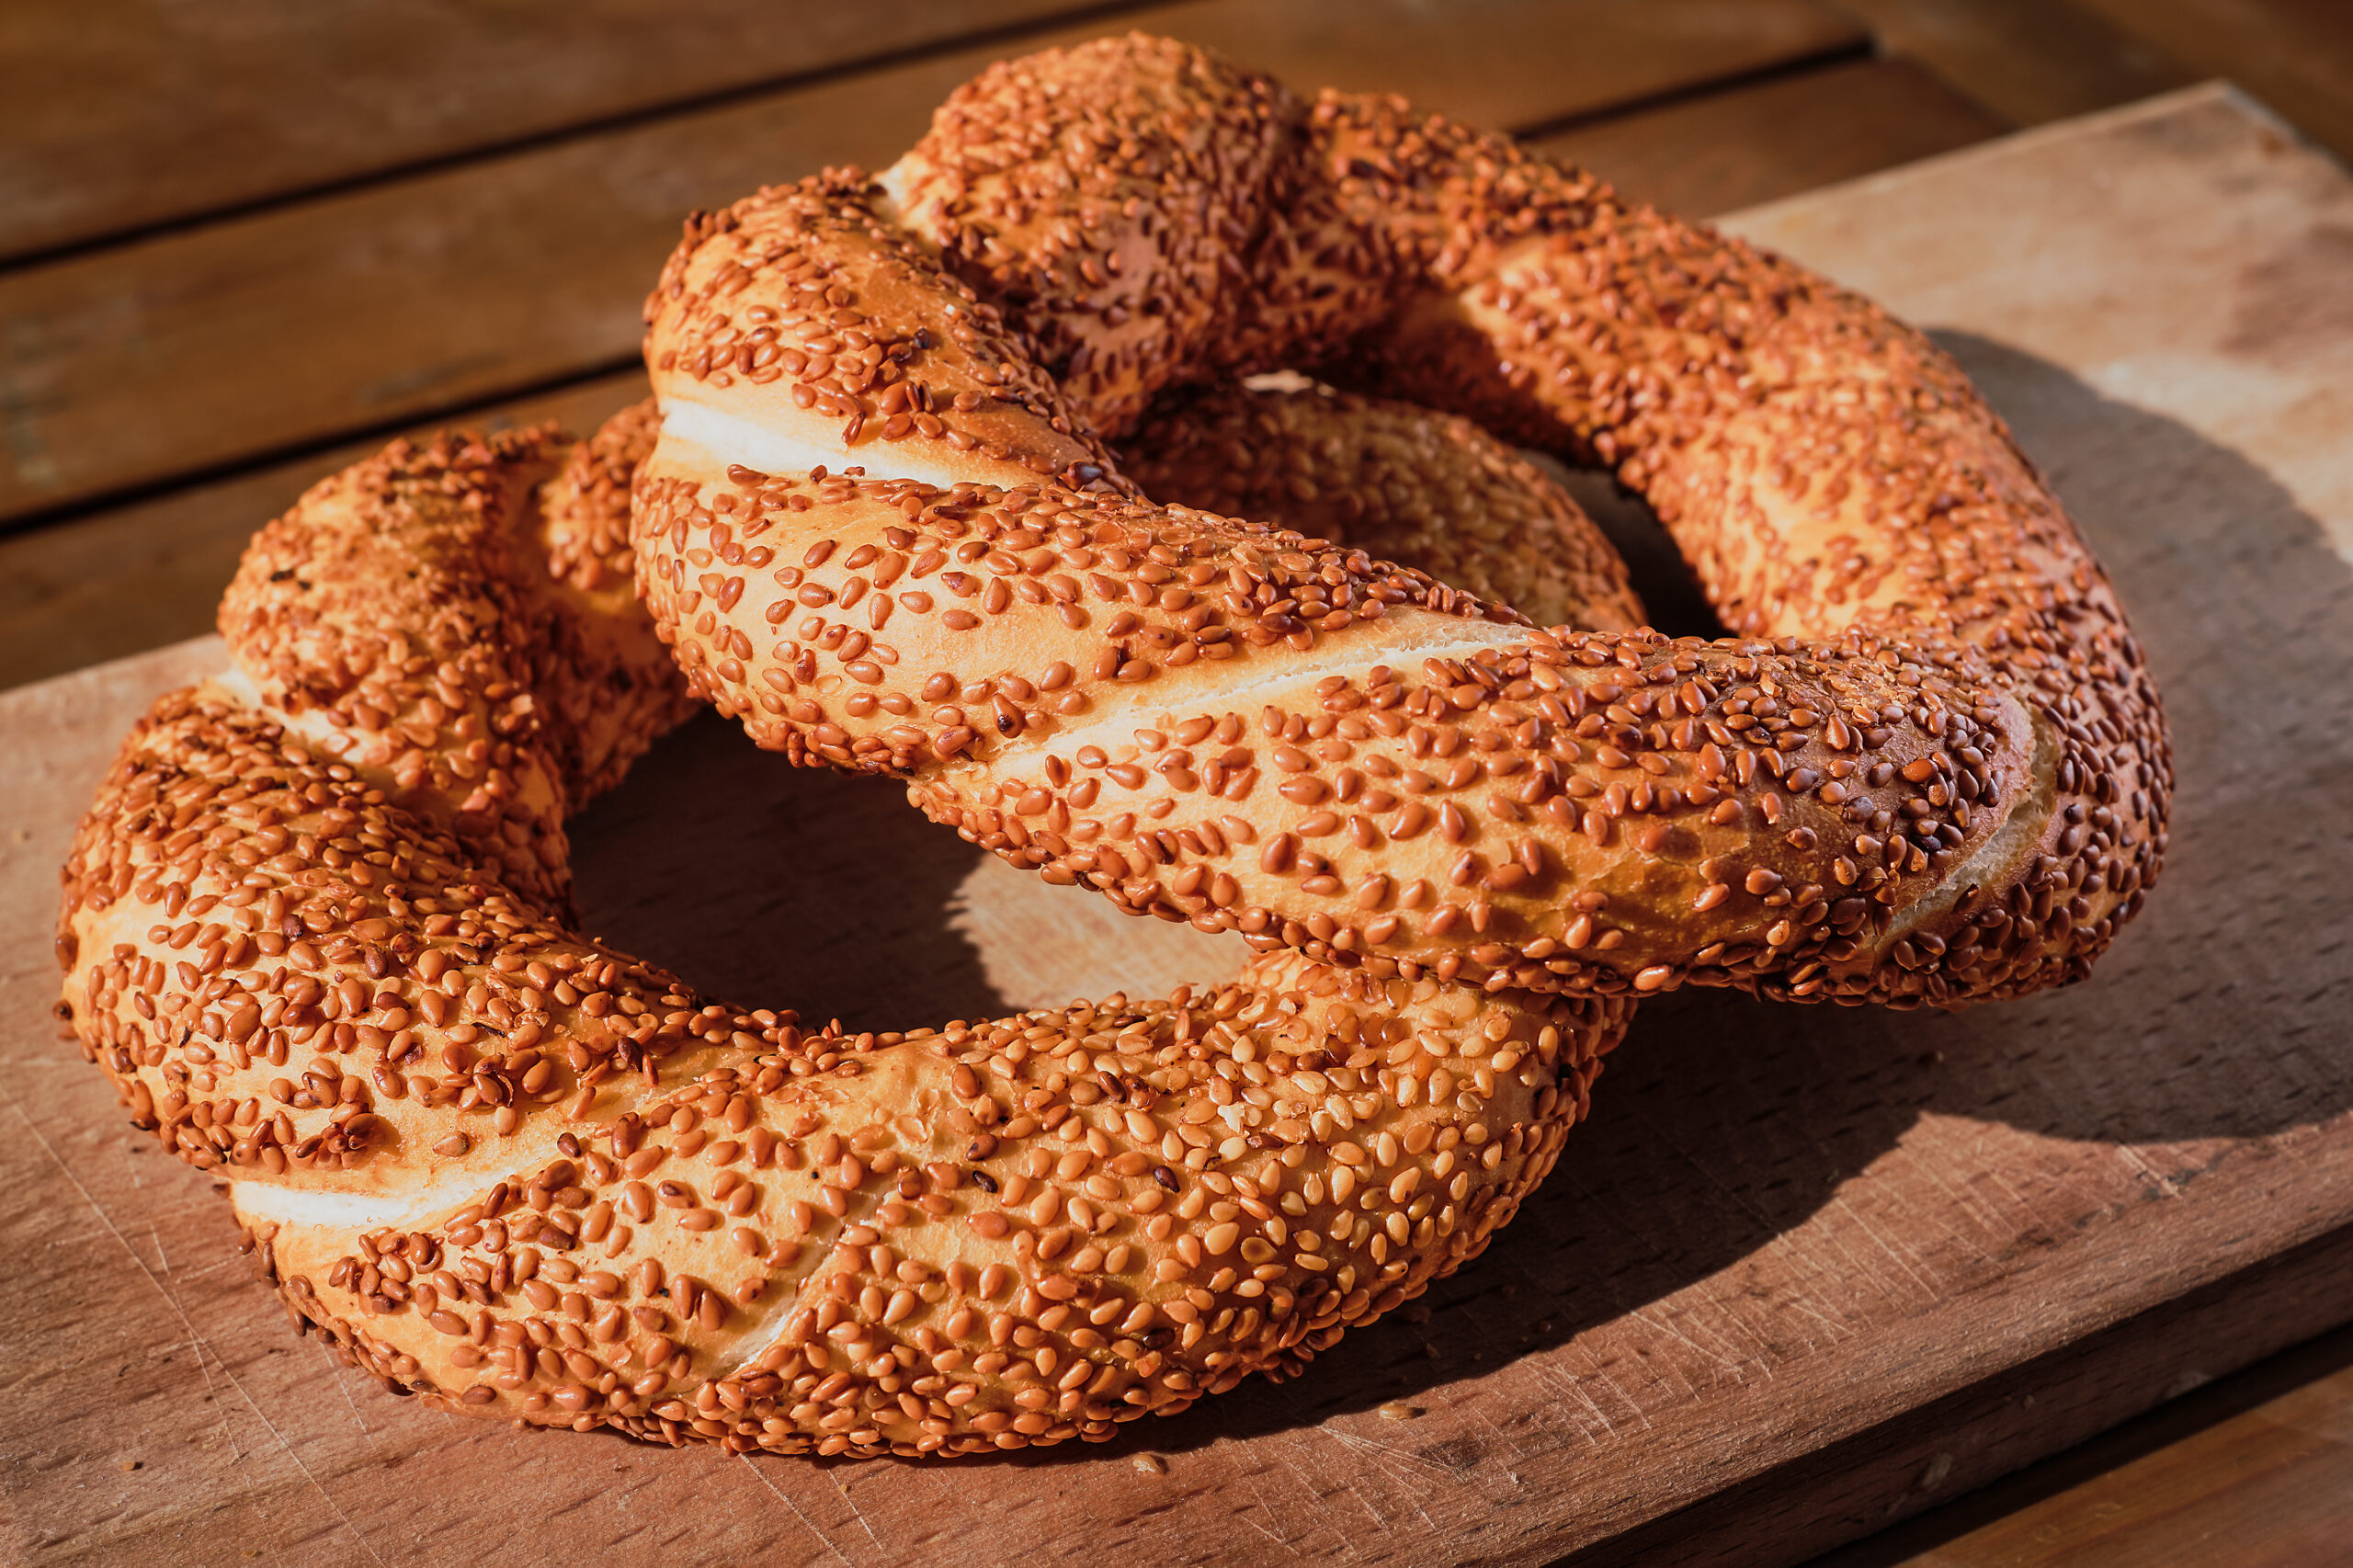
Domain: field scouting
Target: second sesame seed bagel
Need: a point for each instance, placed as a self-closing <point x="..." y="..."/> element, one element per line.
<point x="1931" y="770"/>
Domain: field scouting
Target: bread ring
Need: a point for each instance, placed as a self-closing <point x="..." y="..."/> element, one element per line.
<point x="312" y="929"/>
<point x="1402" y="483"/>
<point x="1588" y="789"/>
<point x="1935" y="770"/>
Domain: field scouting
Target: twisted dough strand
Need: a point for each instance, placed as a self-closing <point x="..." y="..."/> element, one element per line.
<point x="1398" y="482"/>
<point x="313" y="929"/>
<point x="1936" y="773"/>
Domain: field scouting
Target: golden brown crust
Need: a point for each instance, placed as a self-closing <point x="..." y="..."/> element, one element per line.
<point x="524" y="1176"/>
<point x="1401" y="483"/>
<point x="554" y="1184"/>
<point x="1976" y="754"/>
<point x="1881" y="813"/>
<point x="800" y="316"/>
<point x="1831" y="475"/>
<point x="1119" y="255"/>
<point x="1930" y="771"/>
<point x="420" y="614"/>
<point x="606" y="678"/>
<point x="1162" y="742"/>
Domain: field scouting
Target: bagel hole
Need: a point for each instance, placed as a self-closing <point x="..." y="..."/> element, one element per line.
<point x="1669" y="592"/>
<point x="775" y="886"/>
<point x="768" y="885"/>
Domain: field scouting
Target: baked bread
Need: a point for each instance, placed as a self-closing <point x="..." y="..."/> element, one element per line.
<point x="315" y="926"/>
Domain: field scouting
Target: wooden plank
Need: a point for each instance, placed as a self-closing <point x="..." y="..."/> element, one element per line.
<point x="125" y="114"/>
<point x="2272" y="1489"/>
<point x="1793" y="1246"/>
<point x="1845" y="1490"/>
<point x="2253" y="1471"/>
<point x="372" y="308"/>
<point x="2295" y="55"/>
<point x="1773" y="139"/>
<point x="2029" y="62"/>
<point x="2242" y="325"/>
<point x="151" y="572"/>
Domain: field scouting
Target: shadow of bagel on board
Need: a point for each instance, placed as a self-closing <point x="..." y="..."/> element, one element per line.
<point x="1723" y="1122"/>
<point x="777" y="886"/>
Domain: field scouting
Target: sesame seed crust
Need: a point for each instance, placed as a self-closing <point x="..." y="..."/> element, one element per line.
<point x="1108" y="197"/>
<point x="805" y="316"/>
<point x="314" y="931"/>
<point x="462" y="617"/>
<point x="1929" y="769"/>
<point x="1399" y="482"/>
<point x="316" y="927"/>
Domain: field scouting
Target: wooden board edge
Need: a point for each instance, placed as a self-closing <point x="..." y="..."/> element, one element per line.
<point x="159" y="667"/>
<point x="1939" y="1451"/>
<point x="2196" y="97"/>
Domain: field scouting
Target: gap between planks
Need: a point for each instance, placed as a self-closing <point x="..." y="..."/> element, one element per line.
<point x="146" y="117"/>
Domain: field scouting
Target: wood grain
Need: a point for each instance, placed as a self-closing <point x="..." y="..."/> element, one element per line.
<point x="2294" y="55"/>
<point x="1954" y="1444"/>
<point x="2255" y="1470"/>
<point x="1797" y="1278"/>
<point x="387" y="305"/>
<point x="1768" y="139"/>
<point x="151" y="572"/>
<point x="2274" y="1489"/>
<point x="2029" y="62"/>
<point x="2238" y="318"/>
<point x="140" y="576"/>
<point x="124" y="114"/>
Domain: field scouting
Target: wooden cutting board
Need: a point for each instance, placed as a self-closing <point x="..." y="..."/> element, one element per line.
<point x="1805" y="1270"/>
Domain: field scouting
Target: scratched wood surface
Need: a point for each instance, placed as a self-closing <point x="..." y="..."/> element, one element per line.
<point x="1805" y="1272"/>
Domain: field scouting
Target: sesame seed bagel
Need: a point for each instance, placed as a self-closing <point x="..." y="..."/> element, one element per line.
<point x="315" y="929"/>
<point x="316" y="926"/>
<point x="881" y="530"/>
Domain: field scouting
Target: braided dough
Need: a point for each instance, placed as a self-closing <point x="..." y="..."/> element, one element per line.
<point x="314" y="931"/>
<point x="314" y="925"/>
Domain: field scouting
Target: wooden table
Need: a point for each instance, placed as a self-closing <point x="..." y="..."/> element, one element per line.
<point x="1804" y="1275"/>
